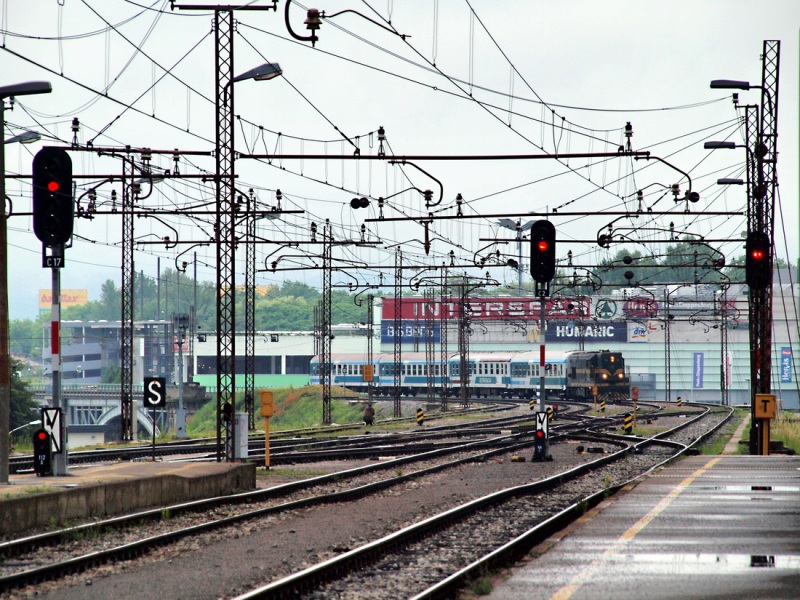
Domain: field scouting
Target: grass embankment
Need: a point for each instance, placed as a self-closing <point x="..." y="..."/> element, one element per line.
<point x="294" y="408"/>
<point x="784" y="428"/>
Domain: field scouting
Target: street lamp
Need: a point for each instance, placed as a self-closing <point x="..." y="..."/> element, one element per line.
<point x="7" y="91"/>
<point x="26" y="137"/>
<point x="226" y="242"/>
<point x="262" y="73"/>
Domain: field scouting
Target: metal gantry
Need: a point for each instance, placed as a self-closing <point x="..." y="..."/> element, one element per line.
<point x="126" y="323"/>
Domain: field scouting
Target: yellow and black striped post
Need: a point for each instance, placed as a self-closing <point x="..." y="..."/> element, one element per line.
<point x="628" y="424"/>
<point x="603" y="405"/>
<point x="420" y="416"/>
<point x="532" y="403"/>
<point x="549" y="414"/>
<point x="680" y="402"/>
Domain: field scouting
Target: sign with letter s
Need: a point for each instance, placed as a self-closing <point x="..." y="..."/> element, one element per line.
<point x="155" y="392"/>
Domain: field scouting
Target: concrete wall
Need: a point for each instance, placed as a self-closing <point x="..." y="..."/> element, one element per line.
<point x="29" y="511"/>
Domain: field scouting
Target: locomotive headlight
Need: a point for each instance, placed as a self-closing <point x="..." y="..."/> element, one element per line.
<point x="604" y="375"/>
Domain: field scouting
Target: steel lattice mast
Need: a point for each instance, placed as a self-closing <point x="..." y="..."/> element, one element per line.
<point x="430" y="352"/>
<point x="370" y="357"/>
<point x="327" y="368"/>
<point x="463" y="343"/>
<point x="250" y="315"/>
<point x="762" y="159"/>
<point x="225" y="201"/>
<point x="443" y="343"/>
<point x="398" y="331"/>
<point x="126" y="324"/>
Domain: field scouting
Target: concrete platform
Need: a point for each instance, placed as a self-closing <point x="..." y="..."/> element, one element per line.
<point x="706" y="527"/>
<point x="28" y="501"/>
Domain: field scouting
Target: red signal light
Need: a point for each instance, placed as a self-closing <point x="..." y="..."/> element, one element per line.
<point x="52" y="186"/>
<point x="542" y="245"/>
<point x="757" y="254"/>
<point x="539" y="433"/>
<point x="42" y="435"/>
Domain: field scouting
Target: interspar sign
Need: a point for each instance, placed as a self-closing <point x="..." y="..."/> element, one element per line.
<point x="488" y="309"/>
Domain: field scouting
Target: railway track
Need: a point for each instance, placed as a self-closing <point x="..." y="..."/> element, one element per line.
<point x="488" y="533"/>
<point x="22" y="559"/>
<point x="281" y="442"/>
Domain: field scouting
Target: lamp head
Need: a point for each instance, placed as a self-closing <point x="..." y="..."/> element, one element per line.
<point x="729" y="84"/>
<point x="262" y="73"/>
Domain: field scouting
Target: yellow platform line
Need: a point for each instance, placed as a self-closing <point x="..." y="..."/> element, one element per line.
<point x="566" y="592"/>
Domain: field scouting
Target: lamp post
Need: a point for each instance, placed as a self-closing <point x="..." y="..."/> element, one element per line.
<point x="761" y="144"/>
<point x="226" y="242"/>
<point x="8" y="91"/>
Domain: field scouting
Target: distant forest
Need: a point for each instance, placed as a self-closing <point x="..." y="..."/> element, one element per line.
<point x="288" y="307"/>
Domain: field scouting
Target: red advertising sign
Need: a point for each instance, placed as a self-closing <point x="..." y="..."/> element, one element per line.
<point x="640" y="307"/>
<point x="488" y="309"/>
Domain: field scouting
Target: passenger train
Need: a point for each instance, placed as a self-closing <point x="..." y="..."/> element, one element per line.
<point x="572" y="375"/>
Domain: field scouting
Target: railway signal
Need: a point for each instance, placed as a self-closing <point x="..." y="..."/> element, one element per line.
<point x="543" y="251"/>
<point x="541" y="450"/>
<point x="758" y="272"/>
<point x="53" y="213"/>
<point x="42" y="453"/>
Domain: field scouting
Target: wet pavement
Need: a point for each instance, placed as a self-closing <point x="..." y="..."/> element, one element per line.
<point x="705" y="527"/>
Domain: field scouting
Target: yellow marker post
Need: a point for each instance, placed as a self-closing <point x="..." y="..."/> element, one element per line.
<point x="766" y="410"/>
<point x="267" y="410"/>
<point x="594" y="395"/>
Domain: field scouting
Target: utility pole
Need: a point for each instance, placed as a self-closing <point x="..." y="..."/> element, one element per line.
<point x="18" y="89"/>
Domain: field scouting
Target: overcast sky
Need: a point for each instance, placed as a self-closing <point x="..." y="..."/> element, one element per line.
<point x="477" y="77"/>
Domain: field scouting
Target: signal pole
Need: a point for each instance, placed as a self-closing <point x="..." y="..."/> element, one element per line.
<point x="543" y="269"/>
